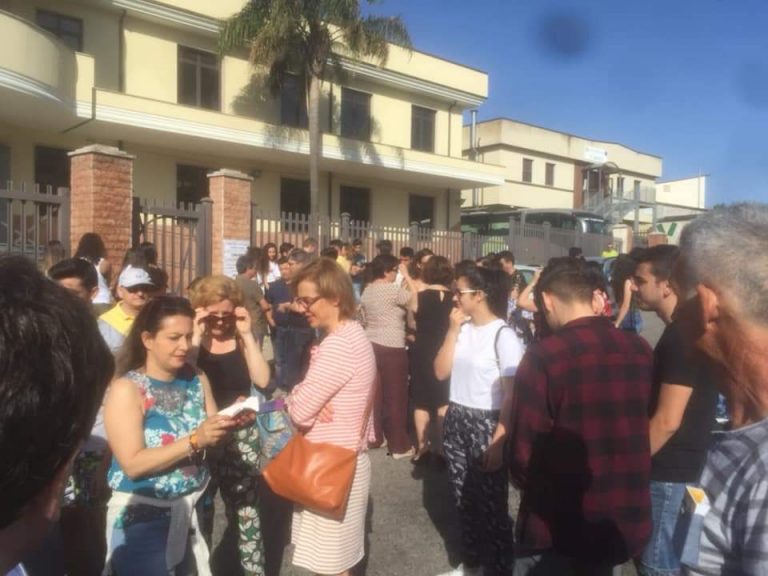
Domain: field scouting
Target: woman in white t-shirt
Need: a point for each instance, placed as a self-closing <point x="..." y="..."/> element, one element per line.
<point x="480" y="354"/>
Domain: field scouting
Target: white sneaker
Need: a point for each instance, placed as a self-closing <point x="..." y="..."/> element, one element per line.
<point x="461" y="570"/>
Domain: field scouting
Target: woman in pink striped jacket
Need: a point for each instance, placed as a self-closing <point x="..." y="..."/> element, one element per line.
<point x="329" y="406"/>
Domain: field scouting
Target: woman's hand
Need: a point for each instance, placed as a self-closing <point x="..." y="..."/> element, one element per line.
<point x="200" y="325"/>
<point x="214" y="429"/>
<point x="404" y="271"/>
<point x="326" y="414"/>
<point x="242" y="320"/>
<point x="457" y="318"/>
<point x="493" y="457"/>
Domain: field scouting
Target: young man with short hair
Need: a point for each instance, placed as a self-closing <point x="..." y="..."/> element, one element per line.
<point x="53" y="376"/>
<point x="76" y="275"/>
<point x="310" y="246"/>
<point x="253" y="296"/>
<point x="292" y="333"/>
<point x="682" y="411"/>
<point x="579" y="446"/>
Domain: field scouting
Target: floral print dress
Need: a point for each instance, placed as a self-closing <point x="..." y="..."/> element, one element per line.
<point x="172" y="410"/>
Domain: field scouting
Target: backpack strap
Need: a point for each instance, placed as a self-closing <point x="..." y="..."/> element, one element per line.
<point x="496" y="347"/>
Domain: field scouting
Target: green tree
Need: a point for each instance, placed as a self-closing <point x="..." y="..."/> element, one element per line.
<point x="308" y="38"/>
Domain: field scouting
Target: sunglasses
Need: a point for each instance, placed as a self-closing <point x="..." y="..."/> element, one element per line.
<point x="224" y="318"/>
<point x="140" y="288"/>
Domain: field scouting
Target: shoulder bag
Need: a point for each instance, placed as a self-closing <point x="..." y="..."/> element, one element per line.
<point x="317" y="476"/>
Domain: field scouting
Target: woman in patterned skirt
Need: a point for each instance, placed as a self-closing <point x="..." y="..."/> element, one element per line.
<point x="230" y="356"/>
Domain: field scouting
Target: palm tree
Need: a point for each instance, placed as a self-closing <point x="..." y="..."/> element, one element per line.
<point x="308" y="38"/>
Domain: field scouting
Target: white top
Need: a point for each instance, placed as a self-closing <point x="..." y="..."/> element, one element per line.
<point x="274" y="272"/>
<point x="103" y="296"/>
<point x="475" y="377"/>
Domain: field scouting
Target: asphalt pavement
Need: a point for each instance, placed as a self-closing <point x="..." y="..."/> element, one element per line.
<point x="412" y="528"/>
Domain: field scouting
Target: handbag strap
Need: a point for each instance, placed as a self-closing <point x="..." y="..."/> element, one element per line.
<point x="368" y="409"/>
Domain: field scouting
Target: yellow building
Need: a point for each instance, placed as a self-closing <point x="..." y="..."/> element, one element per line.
<point x="144" y="75"/>
<point x="546" y="168"/>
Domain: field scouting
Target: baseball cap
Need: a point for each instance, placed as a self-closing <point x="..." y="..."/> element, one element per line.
<point x="132" y="276"/>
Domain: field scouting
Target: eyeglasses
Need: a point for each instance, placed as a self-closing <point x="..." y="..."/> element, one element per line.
<point x="307" y="303"/>
<point x="458" y="292"/>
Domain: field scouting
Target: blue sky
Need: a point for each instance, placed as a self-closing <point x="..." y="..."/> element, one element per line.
<point x="683" y="79"/>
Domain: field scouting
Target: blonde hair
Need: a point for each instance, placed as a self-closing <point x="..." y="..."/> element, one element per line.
<point x="332" y="283"/>
<point x="214" y="289"/>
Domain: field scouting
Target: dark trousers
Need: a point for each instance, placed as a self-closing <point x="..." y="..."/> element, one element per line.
<point x="391" y="405"/>
<point x="481" y="497"/>
<point x="291" y="355"/>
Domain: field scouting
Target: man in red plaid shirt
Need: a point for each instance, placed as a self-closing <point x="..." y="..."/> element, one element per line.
<point x="579" y="447"/>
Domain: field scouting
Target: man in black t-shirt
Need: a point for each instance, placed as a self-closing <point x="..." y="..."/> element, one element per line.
<point x="682" y="411"/>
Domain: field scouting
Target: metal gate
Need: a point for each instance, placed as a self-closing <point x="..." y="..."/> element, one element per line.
<point x="181" y="233"/>
<point x="31" y="217"/>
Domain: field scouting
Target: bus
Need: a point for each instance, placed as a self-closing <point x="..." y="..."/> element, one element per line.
<point x="493" y="220"/>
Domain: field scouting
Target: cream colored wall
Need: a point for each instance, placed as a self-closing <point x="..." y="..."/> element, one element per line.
<point x="243" y="89"/>
<point x="550" y="142"/>
<point x="218" y="9"/>
<point x="22" y="145"/>
<point x="100" y="33"/>
<point x="690" y="192"/>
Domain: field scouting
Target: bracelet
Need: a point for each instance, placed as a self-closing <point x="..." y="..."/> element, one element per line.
<point x="196" y="454"/>
<point x="194" y="446"/>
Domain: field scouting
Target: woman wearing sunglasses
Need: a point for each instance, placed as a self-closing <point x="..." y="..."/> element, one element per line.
<point x="329" y="405"/>
<point x="383" y="308"/>
<point x="228" y="353"/>
<point x="480" y="355"/>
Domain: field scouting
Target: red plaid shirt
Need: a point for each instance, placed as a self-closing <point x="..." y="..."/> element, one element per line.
<point x="579" y="443"/>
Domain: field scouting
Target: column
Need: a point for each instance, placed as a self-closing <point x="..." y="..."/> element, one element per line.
<point x="230" y="191"/>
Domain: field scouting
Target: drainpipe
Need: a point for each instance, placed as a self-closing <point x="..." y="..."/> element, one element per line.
<point x="121" y="53"/>
<point x="473" y="150"/>
<point x="450" y="123"/>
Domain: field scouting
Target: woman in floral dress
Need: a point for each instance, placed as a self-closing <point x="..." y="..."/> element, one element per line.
<point x="160" y="418"/>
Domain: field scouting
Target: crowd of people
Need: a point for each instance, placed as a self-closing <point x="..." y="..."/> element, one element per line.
<point x="115" y="450"/>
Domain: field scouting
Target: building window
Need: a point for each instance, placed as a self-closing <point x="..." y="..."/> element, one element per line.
<point x="293" y="103"/>
<point x="199" y="78"/>
<point x="191" y="183"/>
<point x="620" y="185"/>
<point x="51" y="167"/>
<point x="422" y="129"/>
<point x="421" y="209"/>
<point x="294" y="196"/>
<point x="637" y="188"/>
<point x="527" y="170"/>
<point x="550" y="174"/>
<point x="67" y="29"/>
<point x="356" y="202"/>
<point x="355" y="114"/>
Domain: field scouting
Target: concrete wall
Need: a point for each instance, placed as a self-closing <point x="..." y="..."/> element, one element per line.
<point x="100" y="33"/>
<point x="691" y="192"/>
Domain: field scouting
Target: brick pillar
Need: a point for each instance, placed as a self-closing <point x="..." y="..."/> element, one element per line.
<point x="230" y="191"/>
<point x="657" y="239"/>
<point x="101" y="198"/>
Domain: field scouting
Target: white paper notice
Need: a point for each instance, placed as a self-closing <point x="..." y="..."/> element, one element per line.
<point x="233" y="249"/>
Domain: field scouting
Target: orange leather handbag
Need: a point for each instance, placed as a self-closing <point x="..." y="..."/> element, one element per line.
<point x="317" y="476"/>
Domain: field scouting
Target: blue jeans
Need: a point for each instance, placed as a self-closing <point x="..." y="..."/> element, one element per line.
<point x="660" y="558"/>
<point x="140" y="549"/>
<point x="291" y="355"/>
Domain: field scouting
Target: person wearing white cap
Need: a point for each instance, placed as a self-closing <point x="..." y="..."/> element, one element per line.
<point x="134" y="288"/>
